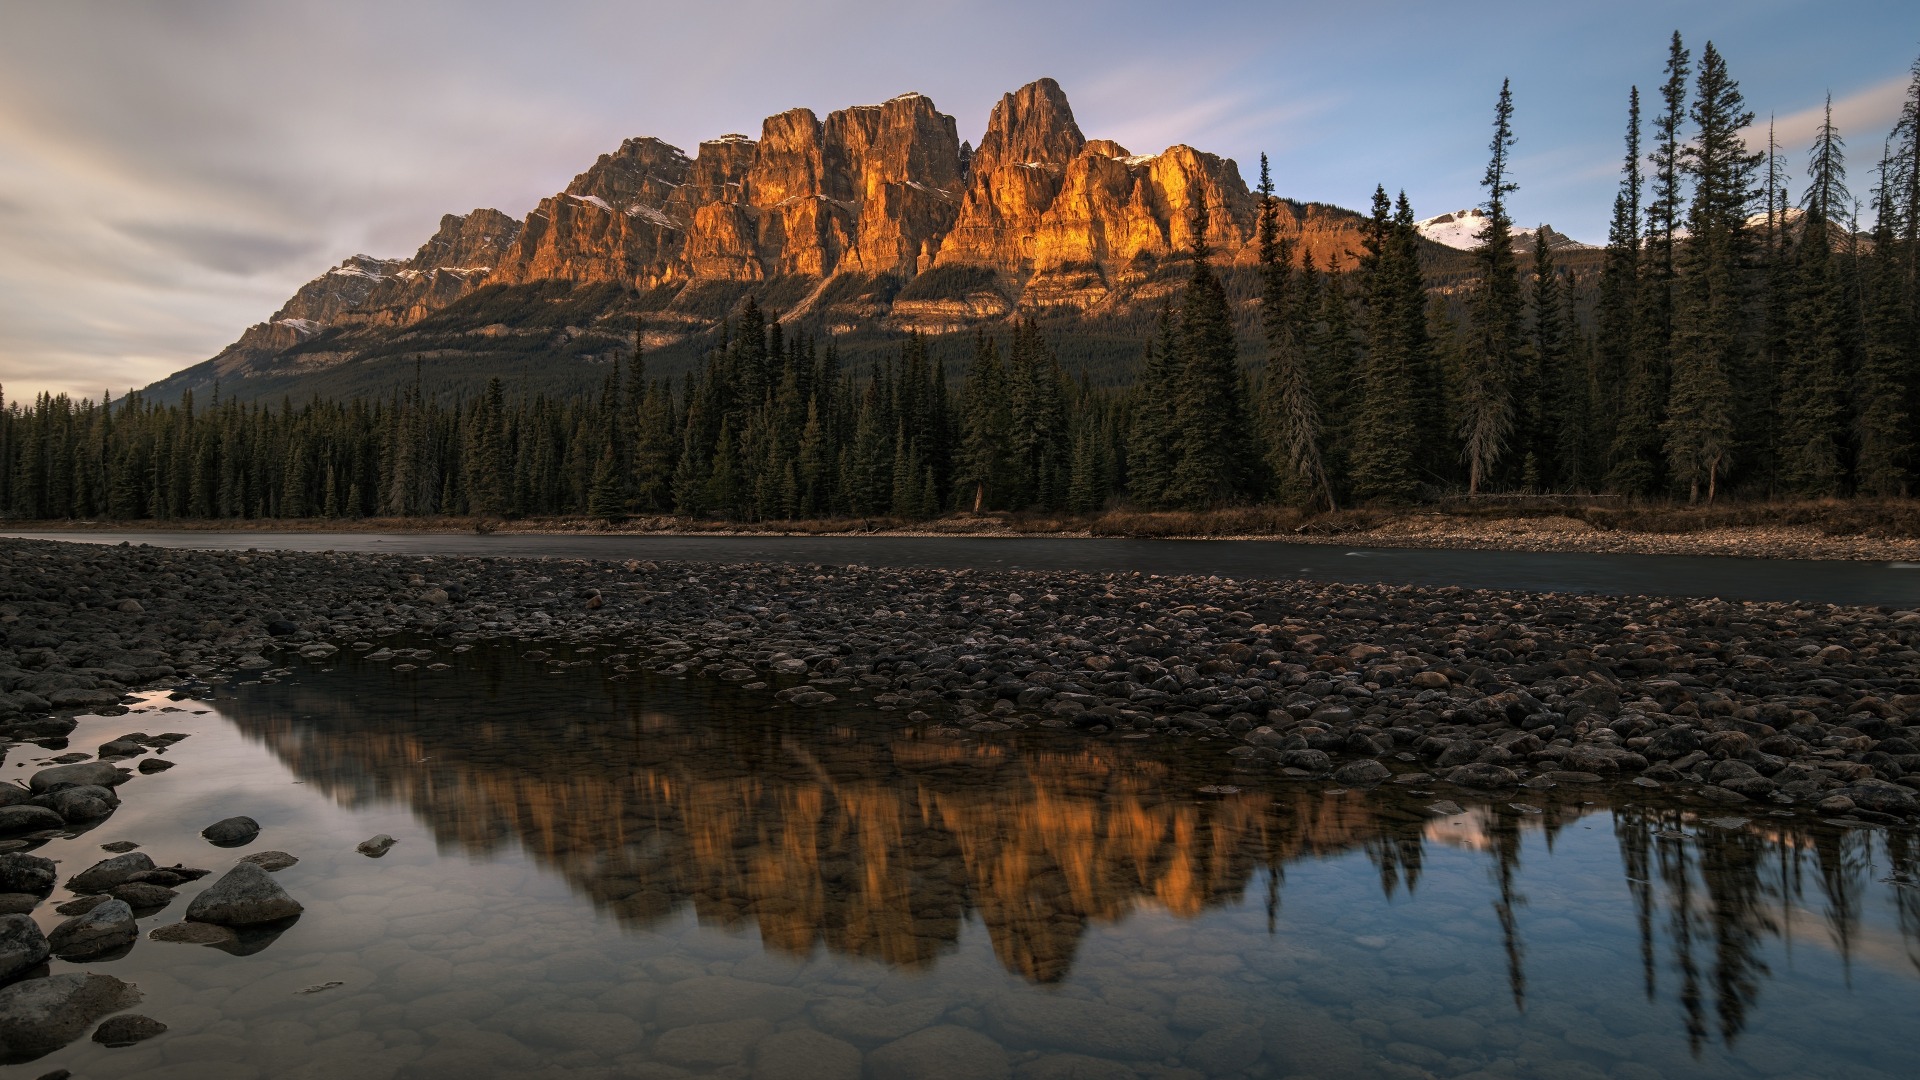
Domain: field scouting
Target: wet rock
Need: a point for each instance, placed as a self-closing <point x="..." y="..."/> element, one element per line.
<point x="1226" y="1050"/>
<point x="154" y="764"/>
<point x="375" y="846"/>
<point x="712" y="998"/>
<point x="193" y="933"/>
<point x="270" y="860"/>
<point x="803" y="1054"/>
<point x="243" y="896"/>
<point x="1089" y="1027"/>
<point x="1836" y="804"/>
<point x="143" y="896"/>
<point x="84" y="802"/>
<point x="80" y="905"/>
<point x="107" y="873"/>
<point x="231" y="831"/>
<point x="127" y="1029"/>
<point x="1881" y="797"/>
<point x="15" y="820"/>
<point x="20" y="872"/>
<point x="873" y="1024"/>
<point x="22" y="945"/>
<point x="708" y="1046"/>
<point x="97" y="773"/>
<point x="940" y="1053"/>
<point x="107" y="927"/>
<point x="1361" y="774"/>
<point x="1074" y="1067"/>
<point x="18" y="903"/>
<point x="119" y="847"/>
<point x="1480" y="775"/>
<point x="39" y="1016"/>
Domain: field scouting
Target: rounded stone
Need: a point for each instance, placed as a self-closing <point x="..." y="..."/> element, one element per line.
<point x="243" y="896"/>
<point x="127" y="1029"/>
<point x="233" y="830"/>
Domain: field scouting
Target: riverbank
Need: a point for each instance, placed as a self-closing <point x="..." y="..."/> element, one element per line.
<point x="1788" y="708"/>
<point x="1836" y="531"/>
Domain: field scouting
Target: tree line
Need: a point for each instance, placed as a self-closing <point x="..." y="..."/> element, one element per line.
<point x="1737" y="341"/>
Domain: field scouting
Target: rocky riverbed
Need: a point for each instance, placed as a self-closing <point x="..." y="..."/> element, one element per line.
<point x="1799" y="708"/>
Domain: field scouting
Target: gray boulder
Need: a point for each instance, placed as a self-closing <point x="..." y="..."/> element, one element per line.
<point x="106" y="928"/>
<point x="83" y="802"/>
<point x="127" y="1030"/>
<point x="233" y="830"/>
<point x="85" y="772"/>
<point x="243" y="896"/>
<point x="1361" y="774"/>
<point x="22" y="945"/>
<point x="376" y="846"/>
<point x="107" y="873"/>
<point x="270" y="860"/>
<point x="20" y="872"/>
<point x="40" y="1016"/>
<point x="26" y="819"/>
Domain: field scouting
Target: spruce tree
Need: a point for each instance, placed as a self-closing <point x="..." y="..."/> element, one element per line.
<point x="1151" y="444"/>
<point x="1710" y="339"/>
<point x="1384" y="434"/>
<point x="1638" y="458"/>
<point x="1619" y="290"/>
<point x="1492" y="353"/>
<point x="1214" y="454"/>
<point x="1292" y="416"/>
<point x="1812" y="407"/>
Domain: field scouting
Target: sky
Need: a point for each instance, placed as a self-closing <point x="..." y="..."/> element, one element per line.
<point x="170" y="172"/>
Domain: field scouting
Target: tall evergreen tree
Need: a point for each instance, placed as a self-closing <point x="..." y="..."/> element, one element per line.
<point x="1639" y="463"/>
<point x="1384" y="432"/>
<point x="1492" y="353"/>
<point x="1215" y="459"/>
<point x="1812" y="415"/>
<point x="1292" y="416"/>
<point x="1710" y="340"/>
<point x="1619" y="292"/>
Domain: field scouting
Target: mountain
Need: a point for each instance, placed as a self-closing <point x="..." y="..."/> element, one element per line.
<point x="877" y="221"/>
<point x="1460" y="230"/>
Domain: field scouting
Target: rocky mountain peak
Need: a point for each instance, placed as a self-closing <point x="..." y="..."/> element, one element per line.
<point x="1034" y="124"/>
<point x="644" y="170"/>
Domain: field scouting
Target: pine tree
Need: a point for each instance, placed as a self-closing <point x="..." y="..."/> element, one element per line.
<point x="1291" y="413"/>
<point x="1638" y="459"/>
<point x="1151" y="448"/>
<point x="1492" y="353"/>
<point x="1619" y="289"/>
<point x="1564" y="403"/>
<point x="1812" y="414"/>
<point x="1710" y="344"/>
<point x="1214" y="455"/>
<point x="1384" y="435"/>
<point x="1884" y="393"/>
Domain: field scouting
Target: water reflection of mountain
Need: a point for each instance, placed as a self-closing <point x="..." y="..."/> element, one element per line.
<point x="649" y="799"/>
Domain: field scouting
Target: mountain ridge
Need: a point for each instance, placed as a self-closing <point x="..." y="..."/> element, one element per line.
<point x="872" y="223"/>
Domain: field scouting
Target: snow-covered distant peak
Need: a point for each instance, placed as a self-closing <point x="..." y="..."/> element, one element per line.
<point x="1461" y="230"/>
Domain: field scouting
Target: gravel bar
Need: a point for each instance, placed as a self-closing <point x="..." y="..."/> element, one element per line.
<point x="1767" y="706"/>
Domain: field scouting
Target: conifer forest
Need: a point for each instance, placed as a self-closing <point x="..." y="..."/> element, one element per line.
<point x="1752" y="332"/>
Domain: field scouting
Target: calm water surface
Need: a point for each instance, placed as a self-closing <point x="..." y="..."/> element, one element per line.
<point x="651" y="877"/>
<point x="1823" y="581"/>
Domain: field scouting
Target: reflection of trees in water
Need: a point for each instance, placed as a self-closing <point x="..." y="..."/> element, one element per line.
<point x="1714" y="896"/>
<point x="883" y="846"/>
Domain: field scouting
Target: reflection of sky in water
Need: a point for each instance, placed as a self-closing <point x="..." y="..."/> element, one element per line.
<point x="860" y="859"/>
